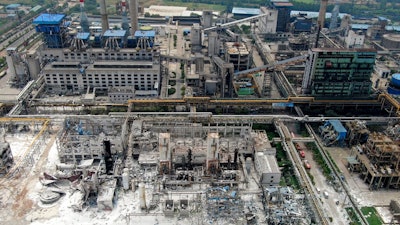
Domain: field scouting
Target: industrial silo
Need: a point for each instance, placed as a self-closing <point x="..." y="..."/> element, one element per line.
<point x="394" y="85"/>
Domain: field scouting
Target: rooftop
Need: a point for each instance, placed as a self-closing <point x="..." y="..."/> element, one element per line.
<point x="15" y="5"/>
<point x="83" y="36"/>
<point x="46" y="18"/>
<point x="343" y="50"/>
<point x="282" y="3"/>
<point x="141" y="33"/>
<point x="247" y="11"/>
<point x="115" y="33"/>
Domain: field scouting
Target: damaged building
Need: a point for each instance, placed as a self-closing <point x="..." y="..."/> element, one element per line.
<point x="152" y="157"/>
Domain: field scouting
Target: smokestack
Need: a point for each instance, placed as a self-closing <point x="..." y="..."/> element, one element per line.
<point x="322" y="12"/>
<point x="104" y="16"/>
<point x="133" y="11"/>
<point x="321" y="19"/>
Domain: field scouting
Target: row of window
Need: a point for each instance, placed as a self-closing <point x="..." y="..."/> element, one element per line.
<point x="103" y="76"/>
<point x="106" y="55"/>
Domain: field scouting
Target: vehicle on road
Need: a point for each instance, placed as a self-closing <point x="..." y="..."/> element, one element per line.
<point x="307" y="165"/>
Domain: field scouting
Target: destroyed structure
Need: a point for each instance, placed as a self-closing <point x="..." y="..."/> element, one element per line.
<point x="152" y="158"/>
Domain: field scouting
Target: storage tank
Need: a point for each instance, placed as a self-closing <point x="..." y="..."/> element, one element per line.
<point x="394" y="85"/>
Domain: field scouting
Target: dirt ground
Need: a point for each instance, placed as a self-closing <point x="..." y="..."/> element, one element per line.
<point x="364" y="197"/>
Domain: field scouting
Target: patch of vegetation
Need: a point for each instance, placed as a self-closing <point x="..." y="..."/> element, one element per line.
<point x="172" y="82"/>
<point x="353" y="217"/>
<point x="371" y="215"/>
<point x="183" y="89"/>
<point x="171" y="91"/>
<point x="90" y="8"/>
<point x="198" y="5"/>
<point x="182" y="71"/>
<point x="246" y="29"/>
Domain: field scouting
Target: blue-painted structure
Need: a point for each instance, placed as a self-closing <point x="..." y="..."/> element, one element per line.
<point x="144" y="33"/>
<point x="118" y="35"/>
<point x="53" y="28"/>
<point x="394" y="85"/>
<point x="395" y="81"/>
<point x="339" y="129"/>
<point x="83" y="36"/>
<point x="148" y="36"/>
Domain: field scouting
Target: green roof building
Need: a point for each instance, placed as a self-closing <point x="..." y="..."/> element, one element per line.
<point x="342" y="73"/>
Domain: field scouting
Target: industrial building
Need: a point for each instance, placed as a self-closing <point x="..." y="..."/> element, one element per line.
<point x="268" y="24"/>
<point x="391" y="41"/>
<point x="90" y="62"/>
<point x="284" y="7"/>
<point x="100" y="153"/>
<point x="333" y="133"/>
<point x="355" y="40"/>
<point x="187" y="166"/>
<point x="238" y="55"/>
<point x="379" y="161"/>
<point x="339" y="72"/>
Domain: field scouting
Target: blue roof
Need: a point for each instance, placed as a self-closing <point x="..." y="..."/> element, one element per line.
<point x="115" y="33"/>
<point x="338" y="126"/>
<point x="83" y="36"/>
<point x="46" y="18"/>
<point x="360" y="26"/>
<point x="247" y="11"/>
<point x="141" y="33"/>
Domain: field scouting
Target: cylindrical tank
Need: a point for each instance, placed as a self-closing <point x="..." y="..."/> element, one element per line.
<point x="142" y="196"/>
<point x="395" y="81"/>
<point x="125" y="179"/>
<point x="394" y="85"/>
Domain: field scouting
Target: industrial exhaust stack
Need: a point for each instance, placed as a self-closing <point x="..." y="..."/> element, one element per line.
<point x="133" y="11"/>
<point x="104" y="16"/>
<point x="321" y="19"/>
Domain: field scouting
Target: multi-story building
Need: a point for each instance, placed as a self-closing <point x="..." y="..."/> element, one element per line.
<point x="339" y="72"/>
<point x="238" y="55"/>
<point x="268" y="24"/>
<point x="355" y="40"/>
<point x="284" y="7"/>
<point x="73" y="65"/>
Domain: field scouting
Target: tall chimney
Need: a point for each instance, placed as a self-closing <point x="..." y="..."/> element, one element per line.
<point x="321" y="20"/>
<point x="322" y="12"/>
<point x="104" y="16"/>
<point x="133" y="11"/>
